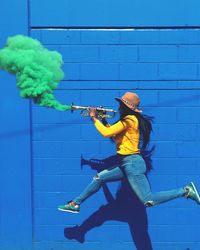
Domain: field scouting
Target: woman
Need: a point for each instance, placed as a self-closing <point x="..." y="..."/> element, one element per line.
<point x="128" y="132"/>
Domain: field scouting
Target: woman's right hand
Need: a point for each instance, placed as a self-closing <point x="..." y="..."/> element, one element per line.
<point x="92" y="112"/>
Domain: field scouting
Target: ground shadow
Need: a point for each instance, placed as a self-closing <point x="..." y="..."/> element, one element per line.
<point x="124" y="207"/>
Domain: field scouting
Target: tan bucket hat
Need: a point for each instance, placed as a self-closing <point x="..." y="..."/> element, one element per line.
<point x="131" y="100"/>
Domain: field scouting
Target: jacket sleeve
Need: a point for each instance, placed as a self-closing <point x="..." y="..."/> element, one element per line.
<point x="112" y="130"/>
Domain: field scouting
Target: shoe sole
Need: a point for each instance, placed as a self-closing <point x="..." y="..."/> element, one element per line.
<point x="69" y="211"/>
<point x="196" y="192"/>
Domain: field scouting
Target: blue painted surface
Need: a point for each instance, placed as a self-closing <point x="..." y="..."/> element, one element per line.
<point x="162" y="66"/>
<point x="15" y="153"/>
<point x="115" y="13"/>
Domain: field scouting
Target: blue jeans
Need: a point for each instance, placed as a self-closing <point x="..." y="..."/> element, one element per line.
<point x="133" y="168"/>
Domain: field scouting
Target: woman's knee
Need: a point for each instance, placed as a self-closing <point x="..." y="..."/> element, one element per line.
<point x="98" y="179"/>
<point x="148" y="202"/>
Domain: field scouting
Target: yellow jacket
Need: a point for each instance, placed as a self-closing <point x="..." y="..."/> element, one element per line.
<point x="125" y="133"/>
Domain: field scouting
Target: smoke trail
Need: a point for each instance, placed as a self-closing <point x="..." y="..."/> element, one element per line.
<point x="37" y="69"/>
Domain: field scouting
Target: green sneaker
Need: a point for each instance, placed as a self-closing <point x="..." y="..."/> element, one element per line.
<point x="192" y="192"/>
<point x="70" y="207"/>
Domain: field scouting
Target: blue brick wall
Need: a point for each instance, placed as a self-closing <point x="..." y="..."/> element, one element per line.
<point x="162" y="66"/>
<point x="41" y="149"/>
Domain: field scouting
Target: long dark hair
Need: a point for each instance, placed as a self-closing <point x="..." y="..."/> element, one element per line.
<point x="145" y="123"/>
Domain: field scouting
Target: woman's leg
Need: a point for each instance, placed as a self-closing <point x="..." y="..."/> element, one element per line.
<point x="107" y="175"/>
<point x="134" y="169"/>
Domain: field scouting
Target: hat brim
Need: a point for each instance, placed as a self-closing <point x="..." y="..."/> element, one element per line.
<point x="118" y="99"/>
<point x="134" y="109"/>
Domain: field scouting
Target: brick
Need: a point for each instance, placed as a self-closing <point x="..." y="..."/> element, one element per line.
<point x="59" y="183"/>
<point x="65" y="149"/>
<point x="36" y="34"/>
<point x="172" y="216"/>
<point x="157" y="85"/>
<point x="58" y="132"/>
<point x="158" y="53"/>
<point x="48" y="183"/>
<point x="72" y="71"/>
<point x="173" y="132"/>
<point x="89" y="132"/>
<point x="68" y="96"/>
<point x="60" y="36"/>
<point x="175" y="166"/>
<point x="99" y="97"/>
<point x="186" y="98"/>
<point x="52" y="116"/>
<point x="139" y="37"/>
<point x="62" y="245"/>
<point x="107" y="146"/>
<point x="88" y="148"/>
<point x="79" y="85"/>
<point x="178" y="71"/>
<point x="189" y="53"/>
<point x="80" y="53"/>
<point x="55" y="47"/>
<point x="47" y="149"/>
<point x="52" y="217"/>
<point x="127" y="245"/>
<point x="49" y="232"/>
<point x="187" y="115"/>
<point x="99" y="71"/>
<point x="89" y="245"/>
<point x="58" y="166"/>
<point x="188" y="85"/>
<point x="165" y="149"/>
<point x="118" y="53"/>
<point x="172" y="233"/>
<point x="138" y="71"/>
<point x="161" y="114"/>
<point x="117" y="245"/>
<point x="126" y="85"/>
<point x="188" y="149"/>
<point x="41" y="245"/>
<point x="176" y="245"/>
<point x="99" y="37"/>
<point x="182" y="36"/>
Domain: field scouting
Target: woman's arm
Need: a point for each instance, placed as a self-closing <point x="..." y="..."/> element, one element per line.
<point x="105" y="123"/>
<point x="112" y="130"/>
<point x="104" y="130"/>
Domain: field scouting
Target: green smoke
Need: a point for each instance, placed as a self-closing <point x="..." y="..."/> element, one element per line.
<point x="37" y="69"/>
